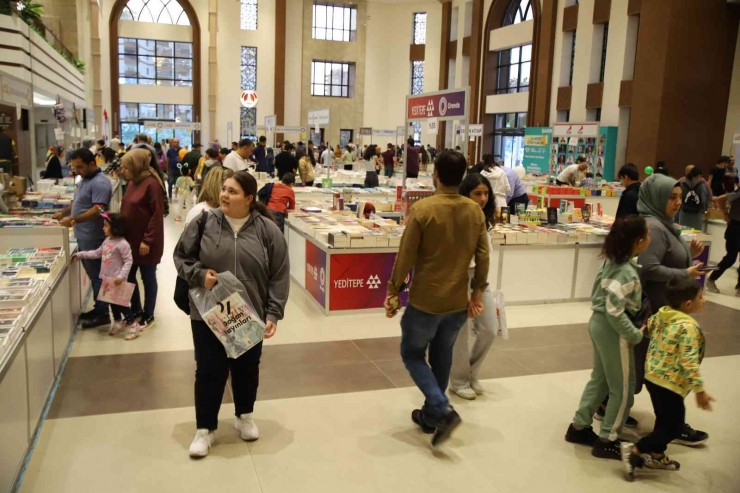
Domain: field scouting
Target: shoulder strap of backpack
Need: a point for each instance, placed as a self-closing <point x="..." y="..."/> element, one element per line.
<point x="201" y="228"/>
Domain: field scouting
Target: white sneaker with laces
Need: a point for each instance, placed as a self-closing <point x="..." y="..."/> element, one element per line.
<point x="466" y="393"/>
<point x="247" y="429"/>
<point x="202" y="443"/>
<point x="476" y="386"/>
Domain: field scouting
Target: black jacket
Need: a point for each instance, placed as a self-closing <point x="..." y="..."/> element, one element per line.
<point x="628" y="202"/>
<point x="285" y="162"/>
<point x="53" y="169"/>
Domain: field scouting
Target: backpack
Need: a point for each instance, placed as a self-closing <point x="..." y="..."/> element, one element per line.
<point x="265" y="193"/>
<point x="182" y="287"/>
<point x="691" y="199"/>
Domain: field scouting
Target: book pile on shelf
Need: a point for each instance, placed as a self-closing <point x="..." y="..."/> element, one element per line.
<point x="532" y="234"/>
<point x="563" y="191"/>
<point x="23" y="274"/>
<point x="51" y="201"/>
<point x="26" y="220"/>
<point x="342" y="229"/>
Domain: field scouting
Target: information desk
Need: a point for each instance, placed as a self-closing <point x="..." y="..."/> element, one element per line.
<point x="30" y="363"/>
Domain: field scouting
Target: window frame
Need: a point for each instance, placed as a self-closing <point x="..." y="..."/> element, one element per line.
<point x="348" y="33"/>
<point x="420" y="37"/>
<point x="604" y="44"/>
<point x="350" y="85"/>
<point x="572" y="58"/>
<point x="128" y="15"/>
<point x="515" y="13"/>
<point x="123" y="76"/>
<point x="417" y="77"/>
<point x="503" y="64"/>
<point x="248" y="116"/>
<point x="244" y="6"/>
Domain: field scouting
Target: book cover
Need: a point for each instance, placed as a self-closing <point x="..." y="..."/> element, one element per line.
<point x="117" y="295"/>
<point x="235" y="324"/>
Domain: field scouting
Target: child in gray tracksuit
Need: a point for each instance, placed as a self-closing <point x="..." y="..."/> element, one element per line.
<point x="616" y="296"/>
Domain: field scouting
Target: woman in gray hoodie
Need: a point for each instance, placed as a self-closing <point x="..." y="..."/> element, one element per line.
<point x="240" y="237"/>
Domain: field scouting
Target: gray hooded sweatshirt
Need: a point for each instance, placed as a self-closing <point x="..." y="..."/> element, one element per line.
<point x="257" y="255"/>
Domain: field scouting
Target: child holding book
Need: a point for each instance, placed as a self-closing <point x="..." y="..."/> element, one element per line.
<point x="117" y="260"/>
<point x="671" y="372"/>
<point x="184" y="185"/>
<point x="616" y="301"/>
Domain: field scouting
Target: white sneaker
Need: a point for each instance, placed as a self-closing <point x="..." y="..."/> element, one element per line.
<point x="202" y="443"/>
<point x="466" y="393"/>
<point x="116" y="327"/>
<point x="247" y="429"/>
<point x="476" y="386"/>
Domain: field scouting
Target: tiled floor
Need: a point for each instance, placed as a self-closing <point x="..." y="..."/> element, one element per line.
<point x="333" y="410"/>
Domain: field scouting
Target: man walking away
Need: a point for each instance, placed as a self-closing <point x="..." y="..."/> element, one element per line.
<point x="192" y="158"/>
<point x="443" y="233"/>
<point x="732" y="240"/>
<point x="91" y="198"/>
<point x="412" y="159"/>
<point x="260" y="155"/>
<point x="285" y="162"/>
<point x="173" y="158"/>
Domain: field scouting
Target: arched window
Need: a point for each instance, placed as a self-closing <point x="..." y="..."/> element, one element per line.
<point x="158" y="11"/>
<point x="518" y="11"/>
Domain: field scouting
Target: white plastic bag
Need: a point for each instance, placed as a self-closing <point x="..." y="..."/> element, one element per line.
<point x="227" y="311"/>
<point x="503" y="329"/>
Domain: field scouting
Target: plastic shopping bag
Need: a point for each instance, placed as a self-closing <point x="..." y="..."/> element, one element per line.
<point x="227" y="311"/>
<point x="500" y="308"/>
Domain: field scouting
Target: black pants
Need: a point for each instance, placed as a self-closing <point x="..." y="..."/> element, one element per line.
<point x="522" y="199"/>
<point x="412" y="175"/>
<point x="561" y="183"/>
<point x="212" y="371"/>
<point x="670" y="413"/>
<point x="347" y="167"/>
<point x="732" y="245"/>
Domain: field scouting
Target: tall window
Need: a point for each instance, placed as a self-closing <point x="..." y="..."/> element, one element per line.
<point x="248" y="15"/>
<point x="159" y="11"/>
<point x="248" y="117"/>
<point x="334" y="79"/>
<point x="603" y="52"/>
<point x="420" y="28"/>
<point x="514" y="66"/>
<point x="334" y="22"/>
<point x="417" y="77"/>
<point x="572" y="59"/>
<point x="148" y="62"/>
<point x="508" y="141"/>
<point x="133" y="116"/>
<point x="518" y="11"/>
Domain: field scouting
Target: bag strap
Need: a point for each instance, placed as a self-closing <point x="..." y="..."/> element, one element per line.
<point x="201" y="228"/>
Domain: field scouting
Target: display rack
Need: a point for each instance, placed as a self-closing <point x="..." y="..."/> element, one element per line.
<point x="31" y="360"/>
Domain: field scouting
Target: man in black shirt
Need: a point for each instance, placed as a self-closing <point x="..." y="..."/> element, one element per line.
<point x="630" y="178"/>
<point x="7" y="151"/>
<point x="260" y="155"/>
<point x="285" y="162"/>
<point x="717" y="176"/>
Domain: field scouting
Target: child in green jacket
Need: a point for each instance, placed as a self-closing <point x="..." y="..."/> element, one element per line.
<point x="616" y="297"/>
<point x="671" y="372"/>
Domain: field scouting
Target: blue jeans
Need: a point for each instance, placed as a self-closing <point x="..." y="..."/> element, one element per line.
<point x="92" y="268"/>
<point x="172" y="177"/>
<point x="421" y="330"/>
<point x="149" y="279"/>
<point x="279" y="220"/>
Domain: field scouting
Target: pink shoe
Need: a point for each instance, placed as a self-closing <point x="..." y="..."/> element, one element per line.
<point x="116" y="327"/>
<point x="132" y="332"/>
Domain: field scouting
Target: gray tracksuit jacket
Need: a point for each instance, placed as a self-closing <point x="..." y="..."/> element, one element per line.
<point x="257" y="255"/>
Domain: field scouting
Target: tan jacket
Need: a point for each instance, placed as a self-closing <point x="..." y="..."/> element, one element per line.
<point x="443" y="233"/>
<point x="305" y="168"/>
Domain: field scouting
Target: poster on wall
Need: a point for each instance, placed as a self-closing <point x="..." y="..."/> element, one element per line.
<point x="570" y="141"/>
<point x="316" y="272"/>
<point x="359" y="280"/>
<point x="537" y="149"/>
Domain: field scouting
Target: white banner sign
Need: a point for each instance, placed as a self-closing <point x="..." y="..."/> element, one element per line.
<point x="385" y="133"/>
<point x="14" y="91"/>
<point x="736" y="139"/>
<point x="282" y="129"/>
<point x="190" y="126"/>
<point x="400" y="130"/>
<point x="318" y="117"/>
<point x="59" y="134"/>
<point x="575" y="130"/>
<point x="432" y="126"/>
<point x="475" y="130"/>
<point x="270" y="123"/>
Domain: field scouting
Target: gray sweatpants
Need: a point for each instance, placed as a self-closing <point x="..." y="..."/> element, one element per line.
<point x="613" y="374"/>
<point x="466" y="362"/>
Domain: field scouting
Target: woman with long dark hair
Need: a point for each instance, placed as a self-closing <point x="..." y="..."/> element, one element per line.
<point x="372" y="165"/>
<point x="240" y="237"/>
<point x="466" y="362"/>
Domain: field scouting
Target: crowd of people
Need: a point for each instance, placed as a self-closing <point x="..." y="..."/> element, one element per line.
<point x="644" y="295"/>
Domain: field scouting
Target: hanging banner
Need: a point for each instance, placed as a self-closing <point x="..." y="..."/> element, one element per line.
<point x="432" y="126"/>
<point x="537" y="149"/>
<point x="446" y="105"/>
<point x="400" y="130"/>
<point x="384" y="133"/>
<point x="189" y="126"/>
<point x="366" y="131"/>
<point x="318" y="117"/>
<point x="475" y="130"/>
<point x="15" y="91"/>
<point x="575" y="130"/>
<point x="270" y="123"/>
<point x="248" y="99"/>
<point x="282" y="129"/>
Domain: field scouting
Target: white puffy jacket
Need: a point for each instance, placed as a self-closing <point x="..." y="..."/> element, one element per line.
<point x="499" y="183"/>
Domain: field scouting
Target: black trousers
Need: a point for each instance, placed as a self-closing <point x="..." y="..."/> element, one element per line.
<point x="670" y="414"/>
<point x="212" y="371"/>
<point x="732" y="246"/>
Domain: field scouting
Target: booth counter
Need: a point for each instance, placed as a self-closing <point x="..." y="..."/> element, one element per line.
<point x="32" y="356"/>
